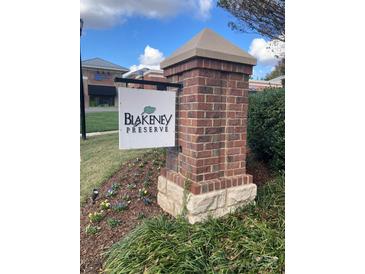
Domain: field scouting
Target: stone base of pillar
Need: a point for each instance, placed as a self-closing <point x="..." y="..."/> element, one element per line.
<point x="172" y="199"/>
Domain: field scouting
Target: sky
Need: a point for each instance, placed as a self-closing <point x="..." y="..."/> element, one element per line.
<point x="137" y="34"/>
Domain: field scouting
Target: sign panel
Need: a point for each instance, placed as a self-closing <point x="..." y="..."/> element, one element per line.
<point x="146" y="118"/>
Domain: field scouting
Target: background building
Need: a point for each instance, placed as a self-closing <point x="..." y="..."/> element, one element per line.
<point x="146" y="74"/>
<point x="259" y="85"/>
<point x="99" y="87"/>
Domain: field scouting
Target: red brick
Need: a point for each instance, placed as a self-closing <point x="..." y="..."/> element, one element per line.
<point x="204" y="154"/>
<point x="195" y="188"/>
<point x="211" y="161"/>
<point x="203" y="169"/>
<point x="201" y="122"/>
<point x="214" y="82"/>
<point x="204" y="90"/>
<point x="213" y="114"/>
<point x="232" y="151"/>
<point x="195" y="114"/>
<point x="163" y="171"/>
<point x="235" y="92"/>
<point x="214" y="130"/>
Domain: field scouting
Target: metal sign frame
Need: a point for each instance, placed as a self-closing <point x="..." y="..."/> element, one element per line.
<point x="159" y="85"/>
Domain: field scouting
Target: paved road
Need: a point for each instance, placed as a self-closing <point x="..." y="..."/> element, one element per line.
<point x="100" y="133"/>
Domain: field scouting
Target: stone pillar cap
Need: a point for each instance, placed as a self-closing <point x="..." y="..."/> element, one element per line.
<point x="209" y="44"/>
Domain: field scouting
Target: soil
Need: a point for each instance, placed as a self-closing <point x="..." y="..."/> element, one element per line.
<point x="135" y="172"/>
<point x="259" y="170"/>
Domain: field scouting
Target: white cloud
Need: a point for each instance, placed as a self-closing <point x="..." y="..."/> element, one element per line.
<point x="204" y="8"/>
<point x="267" y="53"/>
<point x="151" y="58"/>
<point x="107" y="13"/>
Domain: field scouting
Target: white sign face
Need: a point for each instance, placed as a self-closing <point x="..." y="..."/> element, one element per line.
<point x="146" y="118"/>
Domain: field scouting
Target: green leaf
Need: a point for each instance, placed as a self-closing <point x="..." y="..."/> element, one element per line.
<point x="149" y="110"/>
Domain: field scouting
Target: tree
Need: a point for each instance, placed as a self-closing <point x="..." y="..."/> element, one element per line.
<point x="267" y="17"/>
<point x="278" y="70"/>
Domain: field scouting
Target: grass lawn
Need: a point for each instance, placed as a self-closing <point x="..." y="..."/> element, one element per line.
<point x="100" y="159"/>
<point x="250" y="240"/>
<point x="101" y="121"/>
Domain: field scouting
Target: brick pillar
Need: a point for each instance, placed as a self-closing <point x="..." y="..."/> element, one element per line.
<point x="211" y="133"/>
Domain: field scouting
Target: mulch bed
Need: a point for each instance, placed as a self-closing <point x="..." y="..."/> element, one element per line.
<point x="93" y="246"/>
<point x="137" y="171"/>
<point x="259" y="170"/>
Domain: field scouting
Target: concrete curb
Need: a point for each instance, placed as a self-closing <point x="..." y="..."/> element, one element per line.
<point x="100" y="133"/>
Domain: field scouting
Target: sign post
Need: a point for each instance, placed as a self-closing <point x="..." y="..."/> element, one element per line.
<point x="146" y="118"/>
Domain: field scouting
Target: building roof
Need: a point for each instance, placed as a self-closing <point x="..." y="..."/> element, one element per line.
<point x="132" y="74"/>
<point x="142" y="71"/>
<point x="278" y="79"/>
<point x="99" y="63"/>
<point x="208" y="43"/>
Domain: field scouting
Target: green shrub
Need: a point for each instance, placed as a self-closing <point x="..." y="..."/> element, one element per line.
<point x="266" y="126"/>
<point x="248" y="241"/>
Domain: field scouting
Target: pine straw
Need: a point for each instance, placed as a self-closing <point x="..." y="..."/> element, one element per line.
<point x="248" y="241"/>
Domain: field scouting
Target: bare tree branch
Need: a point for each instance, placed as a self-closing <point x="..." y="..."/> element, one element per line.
<point x="266" y="17"/>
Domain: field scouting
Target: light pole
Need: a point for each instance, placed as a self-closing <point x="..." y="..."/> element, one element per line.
<point x="82" y="99"/>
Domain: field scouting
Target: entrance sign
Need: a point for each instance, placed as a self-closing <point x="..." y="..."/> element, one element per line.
<point x="146" y="118"/>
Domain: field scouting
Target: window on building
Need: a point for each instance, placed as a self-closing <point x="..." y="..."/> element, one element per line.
<point x="99" y="76"/>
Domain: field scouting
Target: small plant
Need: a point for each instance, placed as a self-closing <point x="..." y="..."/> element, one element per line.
<point x="156" y="162"/>
<point x="146" y="183"/>
<point x="142" y="192"/>
<point x="95" y="217"/>
<point x="126" y="198"/>
<point x="141" y="216"/>
<point x="113" y="223"/>
<point x="131" y="186"/>
<point x="121" y="206"/>
<point x="92" y="230"/>
<point x="137" y="160"/>
<point x="146" y="200"/>
<point x="111" y="192"/>
<point x="115" y="186"/>
<point x="105" y="205"/>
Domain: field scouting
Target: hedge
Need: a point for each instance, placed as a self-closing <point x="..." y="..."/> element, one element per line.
<point x="266" y="126"/>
